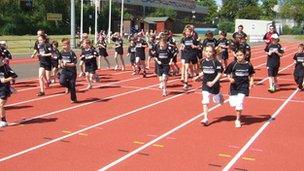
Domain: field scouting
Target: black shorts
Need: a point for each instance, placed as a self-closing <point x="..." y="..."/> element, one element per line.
<point x="273" y="71"/>
<point x="5" y="92"/>
<point x="191" y="60"/>
<point x="46" y="66"/>
<point x="141" y="57"/>
<point x="54" y="63"/>
<point x="103" y="52"/>
<point x="119" y="51"/>
<point x="223" y="55"/>
<point x="163" y="69"/>
<point x="132" y="59"/>
<point x="90" y="69"/>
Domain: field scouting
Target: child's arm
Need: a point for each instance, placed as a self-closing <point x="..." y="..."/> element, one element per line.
<point x="218" y="76"/>
<point x="6" y="80"/>
<point x="34" y="53"/>
<point x="199" y="76"/>
<point x="251" y="83"/>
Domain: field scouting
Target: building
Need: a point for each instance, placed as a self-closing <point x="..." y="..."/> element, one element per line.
<point x="140" y="9"/>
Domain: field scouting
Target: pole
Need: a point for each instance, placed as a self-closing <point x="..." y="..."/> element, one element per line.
<point x="81" y="20"/>
<point x="121" y="18"/>
<point x="96" y="18"/>
<point x="110" y="18"/>
<point x="73" y="43"/>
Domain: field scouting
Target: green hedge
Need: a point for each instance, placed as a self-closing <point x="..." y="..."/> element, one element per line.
<point x="296" y="30"/>
<point x="227" y="26"/>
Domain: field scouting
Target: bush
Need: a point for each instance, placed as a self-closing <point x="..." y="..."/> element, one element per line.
<point x="296" y="30"/>
<point x="226" y="26"/>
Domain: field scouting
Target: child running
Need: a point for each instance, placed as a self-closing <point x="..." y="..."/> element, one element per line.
<point x="163" y="59"/>
<point x="131" y="55"/>
<point x="274" y="52"/>
<point x="118" y="51"/>
<point x="223" y="45"/>
<point x="299" y="67"/>
<point x="211" y="73"/>
<point x="88" y="58"/>
<point x="240" y="74"/>
<point x="54" y="60"/>
<point x="188" y="55"/>
<point x="140" y="54"/>
<point x="68" y="61"/>
<point x="102" y="47"/>
<point x="44" y="51"/>
<point x="6" y="76"/>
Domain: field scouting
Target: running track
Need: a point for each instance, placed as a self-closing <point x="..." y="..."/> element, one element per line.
<point x="125" y="124"/>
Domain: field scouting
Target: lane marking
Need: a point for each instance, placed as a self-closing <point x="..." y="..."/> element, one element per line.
<point x="258" y="133"/>
<point x="90" y="127"/>
<point x="132" y="153"/>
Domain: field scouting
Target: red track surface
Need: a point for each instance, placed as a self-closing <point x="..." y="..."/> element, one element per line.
<point x="128" y="113"/>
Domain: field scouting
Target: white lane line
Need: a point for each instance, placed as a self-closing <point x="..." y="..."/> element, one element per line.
<point x="90" y="127"/>
<point x="258" y="133"/>
<point x="55" y="95"/>
<point x="130" y="154"/>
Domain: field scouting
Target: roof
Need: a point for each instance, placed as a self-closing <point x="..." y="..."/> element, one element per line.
<point x="153" y="20"/>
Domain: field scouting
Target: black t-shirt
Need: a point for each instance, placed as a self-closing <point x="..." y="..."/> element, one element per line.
<point x="240" y="72"/>
<point x="89" y="57"/>
<point x="101" y="43"/>
<point x="188" y="42"/>
<point x="6" y="72"/>
<point x="273" y="60"/>
<point x="210" y="42"/>
<point x="55" y="54"/>
<point x="164" y="55"/>
<point x="211" y="68"/>
<point x="118" y="43"/>
<point x="44" y="48"/>
<point x="132" y="50"/>
<point x="5" y="53"/>
<point x="299" y="68"/>
<point x="68" y="57"/>
<point x="140" y="51"/>
<point x="242" y="34"/>
<point x="223" y="42"/>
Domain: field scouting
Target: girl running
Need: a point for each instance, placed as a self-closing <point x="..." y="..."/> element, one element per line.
<point x="189" y="54"/>
<point x="68" y="61"/>
<point x="6" y="76"/>
<point x="102" y="47"/>
<point x="140" y="55"/>
<point x="223" y="45"/>
<point x="54" y="60"/>
<point x="131" y="55"/>
<point x="118" y="51"/>
<point x="88" y="58"/>
<point x="211" y="73"/>
<point x="163" y="59"/>
<point x="299" y="67"/>
<point x="44" y="51"/>
<point x="152" y="45"/>
<point x="240" y="74"/>
<point x="274" y="51"/>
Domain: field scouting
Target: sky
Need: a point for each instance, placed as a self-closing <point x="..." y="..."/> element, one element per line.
<point x="219" y="2"/>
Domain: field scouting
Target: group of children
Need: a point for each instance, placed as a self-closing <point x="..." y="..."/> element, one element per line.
<point x="205" y="60"/>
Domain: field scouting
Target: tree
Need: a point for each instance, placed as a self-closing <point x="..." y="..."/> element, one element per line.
<point x="293" y="9"/>
<point x="212" y="9"/>
<point x="164" y="12"/>
<point x="267" y="8"/>
<point x="233" y="9"/>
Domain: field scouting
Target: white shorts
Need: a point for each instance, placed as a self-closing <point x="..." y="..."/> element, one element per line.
<point x="207" y="96"/>
<point x="237" y="101"/>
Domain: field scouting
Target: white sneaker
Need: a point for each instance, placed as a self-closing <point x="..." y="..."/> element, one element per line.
<point x="238" y="124"/>
<point x="204" y="121"/>
<point x="185" y="87"/>
<point x="3" y="124"/>
<point x="161" y="86"/>
<point x="165" y="92"/>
